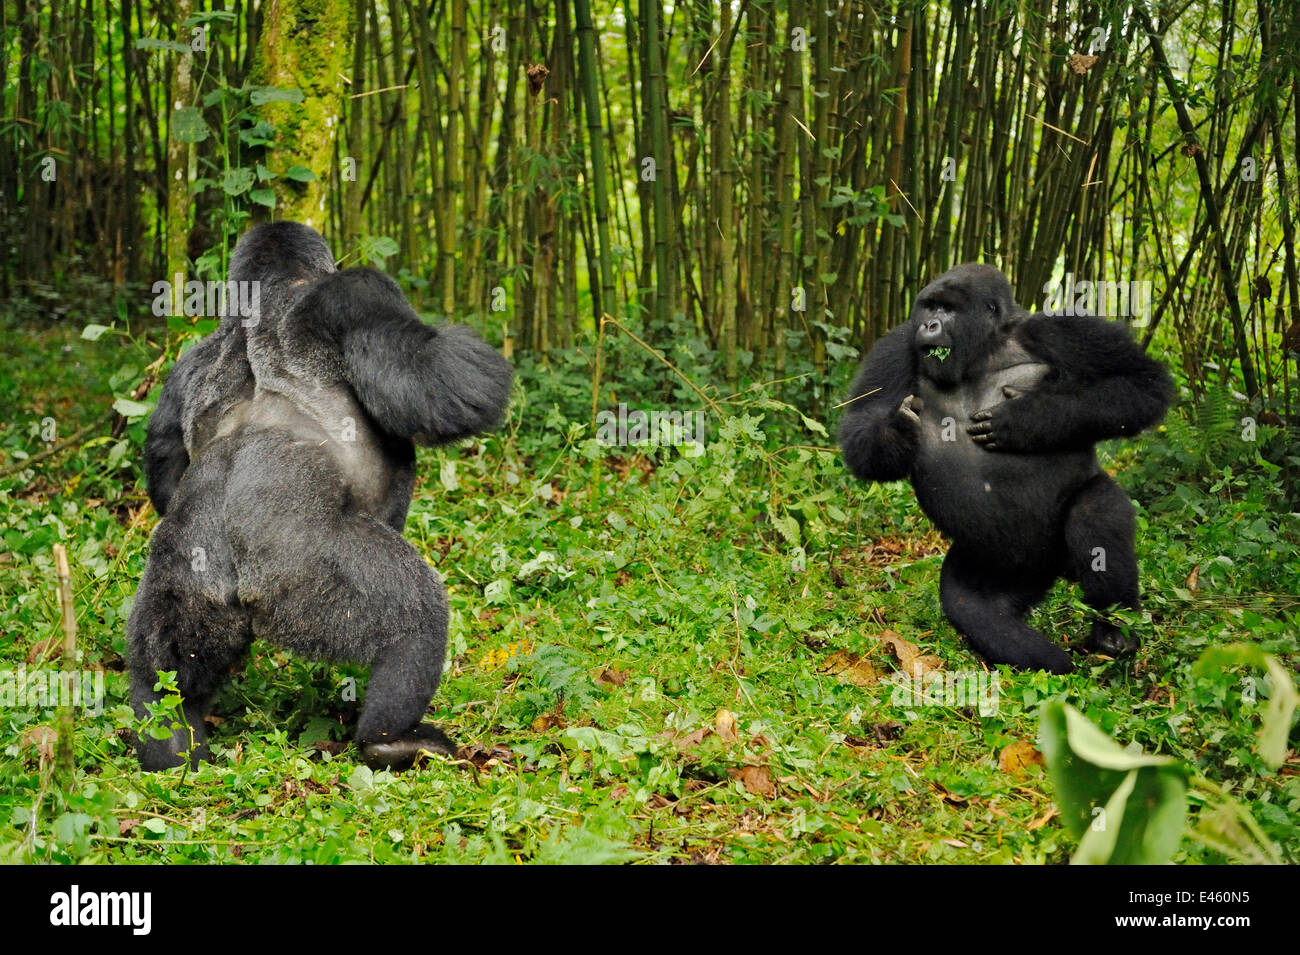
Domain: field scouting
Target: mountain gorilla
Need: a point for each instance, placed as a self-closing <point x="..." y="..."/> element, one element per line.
<point x="281" y="459"/>
<point x="993" y="414"/>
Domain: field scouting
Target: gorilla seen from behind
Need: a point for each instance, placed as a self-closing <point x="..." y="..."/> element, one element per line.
<point x="281" y="458"/>
<point x="993" y="414"/>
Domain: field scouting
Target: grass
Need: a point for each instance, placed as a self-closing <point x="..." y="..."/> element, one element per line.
<point x="654" y="657"/>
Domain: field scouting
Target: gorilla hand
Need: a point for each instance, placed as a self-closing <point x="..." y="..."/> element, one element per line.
<point x="994" y="428"/>
<point x="910" y="407"/>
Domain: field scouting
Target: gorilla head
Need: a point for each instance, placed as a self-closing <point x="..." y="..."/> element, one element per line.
<point x="960" y="320"/>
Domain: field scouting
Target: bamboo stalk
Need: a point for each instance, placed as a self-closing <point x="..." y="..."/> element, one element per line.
<point x="64" y="764"/>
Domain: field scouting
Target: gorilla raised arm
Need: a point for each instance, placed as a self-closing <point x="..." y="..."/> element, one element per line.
<point x="280" y="456"/>
<point x="993" y="414"/>
<point x="391" y="359"/>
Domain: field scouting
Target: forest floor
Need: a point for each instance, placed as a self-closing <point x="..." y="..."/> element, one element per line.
<point x="655" y="656"/>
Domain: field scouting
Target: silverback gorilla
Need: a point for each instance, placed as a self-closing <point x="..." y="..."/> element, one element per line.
<point x="281" y="458"/>
<point x="993" y="414"/>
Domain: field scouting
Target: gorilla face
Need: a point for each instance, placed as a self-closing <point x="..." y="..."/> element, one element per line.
<point x="959" y="320"/>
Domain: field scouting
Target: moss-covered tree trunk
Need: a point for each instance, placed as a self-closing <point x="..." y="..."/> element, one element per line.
<point x="304" y="45"/>
<point x="180" y="159"/>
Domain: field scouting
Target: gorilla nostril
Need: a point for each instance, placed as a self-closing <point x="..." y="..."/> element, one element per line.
<point x="931" y="329"/>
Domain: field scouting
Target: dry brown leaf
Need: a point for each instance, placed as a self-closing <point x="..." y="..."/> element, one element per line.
<point x="852" y="668"/>
<point x="955" y="843"/>
<point x="1018" y="757"/>
<point x="537" y="74"/>
<point x="1081" y="62"/>
<point x="756" y="780"/>
<point x="546" y="721"/>
<point x="611" y="676"/>
<point x="48" y="649"/>
<point x="41" y="737"/>
<point x="919" y="666"/>
<point x="724" y="724"/>
<point x="1043" y="820"/>
<point x="949" y="797"/>
<point x="693" y="739"/>
<point x="126" y="824"/>
<point x="881" y="734"/>
<point x="482" y="758"/>
<point x="909" y="656"/>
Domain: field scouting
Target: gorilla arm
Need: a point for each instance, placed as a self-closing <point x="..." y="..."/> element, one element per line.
<point x="165" y="457"/>
<point x="432" y="385"/>
<point x="1101" y="386"/>
<point x="880" y="431"/>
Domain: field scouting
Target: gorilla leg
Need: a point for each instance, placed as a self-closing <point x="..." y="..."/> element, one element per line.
<point x="184" y="619"/>
<point x="989" y="611"/>
<point x="1099" y="534"/>
<point x="335" y="584"/>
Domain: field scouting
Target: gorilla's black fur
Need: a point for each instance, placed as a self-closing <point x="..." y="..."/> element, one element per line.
<point x="281" y="459"/>
<point x="993" y="414"/>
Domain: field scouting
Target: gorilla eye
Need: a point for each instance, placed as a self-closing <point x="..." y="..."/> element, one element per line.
<point x="993" y="306"/>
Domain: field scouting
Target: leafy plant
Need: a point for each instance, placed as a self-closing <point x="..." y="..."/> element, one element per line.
<point x="1126" y="807"/>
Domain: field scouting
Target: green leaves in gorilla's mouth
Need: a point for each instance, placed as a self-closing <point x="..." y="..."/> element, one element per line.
<point x="939" y="352"/>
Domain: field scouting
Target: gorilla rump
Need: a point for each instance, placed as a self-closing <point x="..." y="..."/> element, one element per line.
<point x="281" y="458"/>
<point x="993" y="414"/>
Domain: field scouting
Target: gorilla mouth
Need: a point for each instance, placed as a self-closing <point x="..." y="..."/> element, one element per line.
<point x="939" y="352"/>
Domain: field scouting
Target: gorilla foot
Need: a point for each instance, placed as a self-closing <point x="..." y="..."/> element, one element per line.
<point x="1108" y="639"/>
<point x="401" y="751"/>
<point x="1045" y="656"/>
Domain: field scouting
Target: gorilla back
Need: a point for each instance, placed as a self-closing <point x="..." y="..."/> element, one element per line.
<point x="994" y="415"/>
<point x="281" y="458"/>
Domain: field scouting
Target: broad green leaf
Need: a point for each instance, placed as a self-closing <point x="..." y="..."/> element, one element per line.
<point x="131" y="409"/>
<point x="269" y="94"/>
<point x="1276" y="722"/>
<point x="1146" y="813"/>
<point x="1215" y="659"/>
<point x="187" y="125"/>
<point x="816" y="427"/>
<point x="1144" y="797"/>
<point x="1090" y="742"/>
<point x="1098" y="841"/>
<point x="1277" y="717"/>
<point x="787" y="526"/>
<point x="237" y="181"/>
<point x="447" y="475"/>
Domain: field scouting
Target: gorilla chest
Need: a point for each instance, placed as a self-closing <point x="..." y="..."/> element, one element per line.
<point x="973" y="493"/>
<point x="946" y="412"/>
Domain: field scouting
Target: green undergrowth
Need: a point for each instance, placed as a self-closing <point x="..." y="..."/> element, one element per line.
<point x="657" y="655"/>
